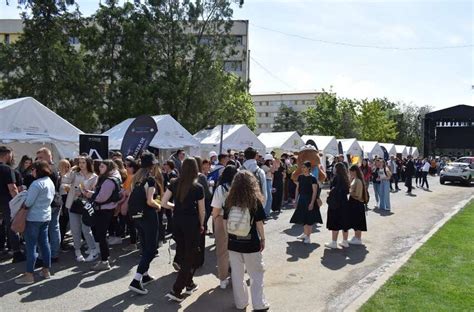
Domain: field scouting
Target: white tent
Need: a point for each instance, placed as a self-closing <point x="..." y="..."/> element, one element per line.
<point x="27" y="125"/>
<point x="391" y="150"/>
<point x="327" y="144"/>
<point x="236" y="137"/>
<point x="402" y="149"/>
<point x="371" y="149"/>
<point x="351" y="147"/>
<point x="413" y="151"/>
<point x="283" y="141"/>
<point x="171" y="135"/>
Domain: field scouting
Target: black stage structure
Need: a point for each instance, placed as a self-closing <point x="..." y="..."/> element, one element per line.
<point x="449" y="132"/>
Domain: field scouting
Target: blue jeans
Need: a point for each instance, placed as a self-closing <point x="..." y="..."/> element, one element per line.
<point x="36" y="235"/>
<point x="268" y="205"/>
<point x="384" y="195"/>
<point x="377" y="192"/>
<point x="54" y="233"/>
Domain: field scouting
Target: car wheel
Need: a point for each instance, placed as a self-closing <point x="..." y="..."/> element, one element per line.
<point x="468" y="181"/>
<point x="441" y="181"/>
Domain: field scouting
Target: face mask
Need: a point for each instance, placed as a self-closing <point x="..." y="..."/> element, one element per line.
<point x="287" y="161"/>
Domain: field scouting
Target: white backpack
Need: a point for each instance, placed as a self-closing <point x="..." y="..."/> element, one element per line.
<point x="239" y="221"/>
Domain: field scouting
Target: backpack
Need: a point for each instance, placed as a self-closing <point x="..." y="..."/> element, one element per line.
<point x="239" y="221"/>
<point x="116" y="194"/>
<point x="137" y="199"/>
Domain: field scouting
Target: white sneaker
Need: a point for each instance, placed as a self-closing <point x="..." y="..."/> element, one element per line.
<point x="80" y="258"/>
<point x="355" y="241"/>
<point x="302" y="236"/>
<point x="92" y="256"/>
<point x="307" y="240"/>
<point x="332" y="245"/>
<point x="224" y="284"/>
<point x="344" y="244"/>
<point x="114" y="240"/>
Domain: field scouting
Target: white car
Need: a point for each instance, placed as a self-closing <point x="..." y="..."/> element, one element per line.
<point x="461" y="170"/>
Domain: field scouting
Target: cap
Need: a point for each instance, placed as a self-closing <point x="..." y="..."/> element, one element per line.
<point x="148" y="160"/>
<point x="212" y="154"/>
<point x="268" y="157"/>
<point x="130" y="158"/>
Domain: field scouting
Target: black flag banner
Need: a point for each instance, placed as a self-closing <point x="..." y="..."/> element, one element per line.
<point x="385" y="153"/>
<point x="138" y="137"/>
<point x="339" y="148"/>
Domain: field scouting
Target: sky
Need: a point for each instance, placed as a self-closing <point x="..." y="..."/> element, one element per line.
<point x="285" y="39"/>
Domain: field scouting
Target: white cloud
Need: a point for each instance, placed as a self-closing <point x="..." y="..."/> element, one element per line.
<point x="456" y="40"/>
<point x="346" y="86"/>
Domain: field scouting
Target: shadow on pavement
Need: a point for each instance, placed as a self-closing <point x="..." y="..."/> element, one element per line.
<point x="221" y="298"/>
<point x="383" y="212"/>
<point x="335" y="259"/>
<point x="299" y="250"/>
<point x="296" y="230"/>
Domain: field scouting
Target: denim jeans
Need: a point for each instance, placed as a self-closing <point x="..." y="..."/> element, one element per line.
<point x="384" y="195"/>
<point x="377" y="192"/>
<point x="54" y="232"/>
<point x="36" y="235"/>
<point x="268" y="205"/>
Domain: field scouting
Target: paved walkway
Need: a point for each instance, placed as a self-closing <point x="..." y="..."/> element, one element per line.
<point x="298" y="278"/>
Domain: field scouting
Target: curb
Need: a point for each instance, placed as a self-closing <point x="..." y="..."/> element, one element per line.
<point x="393" y="268"/>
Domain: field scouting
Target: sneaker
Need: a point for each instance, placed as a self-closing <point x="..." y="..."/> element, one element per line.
<point x="344" y="244"/>
<point x="101" y="266"/>
<point x="224" y="284"/>
<point x="25" y="280"/>
<point x="131" y="247"/>
<point x="45" y="274"/>
<point x="176" y="266"/>
<point x="302" y="236"/>
<point x="80" y="258"/>
<point x="191" y="289"/>
<point x="147" y="279"/>
<point x="355" y="241"/>
<point x="18" y="256"/>
<point x="92" y="257"/>
<point x="137" y="286"/>
<point x="307" y="240"/>
<point x="174" y="296"/>
<point x="114" y="240"/>
<point x="332" y="245"/>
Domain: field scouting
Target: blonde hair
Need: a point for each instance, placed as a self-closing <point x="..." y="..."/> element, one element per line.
<point x="143" y="173"/>
<point x="64" y="166"/>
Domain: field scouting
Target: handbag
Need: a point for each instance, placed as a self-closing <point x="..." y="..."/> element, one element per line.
<point x="19" y="222"/>
<point x="78" y="205"/>
<point x="89" y="215"/>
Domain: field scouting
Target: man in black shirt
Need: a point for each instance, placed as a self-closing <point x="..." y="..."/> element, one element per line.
<point x="409" y="173"/>
<point x="8" y="189"/>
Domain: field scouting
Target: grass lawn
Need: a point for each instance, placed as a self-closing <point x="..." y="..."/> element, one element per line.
<point x="438" y="277"/>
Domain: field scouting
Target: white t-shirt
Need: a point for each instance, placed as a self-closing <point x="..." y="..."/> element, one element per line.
<point x="426" y="166"/>
<point x="218" y="200"/>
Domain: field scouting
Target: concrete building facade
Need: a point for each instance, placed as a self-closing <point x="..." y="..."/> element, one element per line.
<point x="267" y="106"/>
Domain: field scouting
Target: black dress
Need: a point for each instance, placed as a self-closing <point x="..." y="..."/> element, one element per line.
<point x="302" y="214"/>
<point x="278" y="186"/>
<point x="356" y="215"/>
<point x="337" y="205"/>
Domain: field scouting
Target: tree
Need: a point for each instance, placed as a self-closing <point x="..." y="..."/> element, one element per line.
<point x="373" y="123"/>
<point x="348" y="124"/>
<point x="288" y="120"/>
<point x="409" y="124"/>
<point x="323" y="118"/>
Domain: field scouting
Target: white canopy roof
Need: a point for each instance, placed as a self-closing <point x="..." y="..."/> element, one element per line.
<point x="25" y="120"/>
<point x="236" y="137"/>
<point x="327" y="144"/>
<point x="171" y="135"/>
<point x="351" y="147"/>
<point x="389" y="147"/>
<point x="413" y="151"/>
<point x="371" y="148"/>
<point x="285" y="141"/>
<point x="402" y="149"/>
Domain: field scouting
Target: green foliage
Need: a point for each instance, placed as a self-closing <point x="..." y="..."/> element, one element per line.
<point x="323" y="118"/>
<point x="288" y="120"/>
<point x="374" y="124"/>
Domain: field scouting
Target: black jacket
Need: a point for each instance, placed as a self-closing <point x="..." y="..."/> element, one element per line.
<point x="410" y="168"/>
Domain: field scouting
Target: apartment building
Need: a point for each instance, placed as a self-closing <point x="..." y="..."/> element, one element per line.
<point x="239" y="64"/>
<point x="267" y="106"/>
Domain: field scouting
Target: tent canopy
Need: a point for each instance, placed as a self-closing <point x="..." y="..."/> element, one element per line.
<point x="27" y="121"/>
<point x="236" y="137"/>
<point x="413" y="151"/>
<point x="351" y="147"/>
<point x="402" y="149"/>
<point x="371" y="148"/>
<point x="327" y="144"/>
<point x="389" y="147"/>
<point x="171" y="135"/>
<point x="285" y="141"/>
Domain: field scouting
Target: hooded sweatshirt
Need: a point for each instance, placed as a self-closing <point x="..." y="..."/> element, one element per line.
<point x="251" y="165"/>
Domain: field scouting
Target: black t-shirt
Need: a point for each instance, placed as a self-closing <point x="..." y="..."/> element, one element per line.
<point x="305" y="184"/>
<point x="251" y="243"/>
<point x="189" y="207"/>
<point x="150" y="182"/>
<point x="7" y="176"/>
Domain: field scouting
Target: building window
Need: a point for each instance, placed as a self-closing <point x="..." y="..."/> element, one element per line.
<point x="238" y="40"/>
<point x="233" y="66"/>
<point x="266" y="114"/>
<point x="7" y="38"/>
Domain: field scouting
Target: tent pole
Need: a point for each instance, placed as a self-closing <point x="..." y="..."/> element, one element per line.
<point x="222" y="135"/>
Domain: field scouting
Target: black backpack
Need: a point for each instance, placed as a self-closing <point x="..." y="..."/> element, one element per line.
<point x="137" y="199"/>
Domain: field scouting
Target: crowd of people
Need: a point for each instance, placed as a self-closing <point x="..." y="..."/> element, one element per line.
<point x="100" y="202"/>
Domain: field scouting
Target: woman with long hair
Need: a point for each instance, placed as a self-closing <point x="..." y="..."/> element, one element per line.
<point x="188" y="224"/>
<point x="218" y="201"/>
<point x="117" y="225"/>
<point x="147" y="187"/>
<point x="202" y="179"/>
<point x="79" y="181"/>
<point x="307" y="210"/>
<point x="337" y="205"/>
<point x="24" y="168"/>
<point x="106" y="197"/>
<point x="245" y="252"/>
<point x="64" y="167"/>
<point x="356" y="209"/>
<point x="38" y="204"/>
<point x="384" y="176"/>
<point x="132" y="168"/>
<point x="267" y="167"/>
